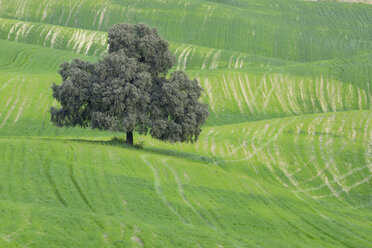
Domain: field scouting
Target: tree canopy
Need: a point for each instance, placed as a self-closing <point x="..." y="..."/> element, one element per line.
<point x="129" y="90"/>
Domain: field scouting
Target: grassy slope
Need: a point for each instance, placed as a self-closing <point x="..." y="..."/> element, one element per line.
<point x="284" y="160"/>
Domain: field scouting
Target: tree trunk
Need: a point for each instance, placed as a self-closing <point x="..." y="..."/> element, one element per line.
<point x="129" y="140"/>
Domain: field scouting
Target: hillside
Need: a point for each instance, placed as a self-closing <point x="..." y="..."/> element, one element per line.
<point x="284" y="160"/>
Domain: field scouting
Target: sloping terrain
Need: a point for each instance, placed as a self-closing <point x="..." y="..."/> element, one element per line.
<point x="284" y="160"/>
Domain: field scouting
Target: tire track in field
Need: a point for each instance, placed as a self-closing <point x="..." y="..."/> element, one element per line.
<point x="269" y="202"/>
<point x="6" y="105"/>
<point x="268" y="142"/>
<point x="45" y="115"/>
<point x="7" y="83"/>
<point x="74" y="180"/>
<point x="264" y="197"/>
<point x="339" y="177"/>
<point x="185" y="53"/>
<point x="20" y="110"/>
<point x="10" y="111"/>
<point x="347" y="229"/>
<point x="181" y="192"/>
<point x="49" y="176"/>
<point x="72" y="8"/>
<point x="305" y="220"/>
<point x="16" y="56"/>
<point x="21" y="58"/>
<point x="159" y="191"/>
<point x="111" y="181"/>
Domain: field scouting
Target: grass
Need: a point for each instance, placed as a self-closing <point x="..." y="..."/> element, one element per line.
<point x="284" y="160"/>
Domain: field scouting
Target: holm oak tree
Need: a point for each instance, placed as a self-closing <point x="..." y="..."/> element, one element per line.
<point x="129" y="90"/>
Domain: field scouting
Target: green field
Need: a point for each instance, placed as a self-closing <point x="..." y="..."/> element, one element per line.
<point x="284" y="160"/>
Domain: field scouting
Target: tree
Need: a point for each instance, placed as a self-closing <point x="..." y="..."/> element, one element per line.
<point x="129" y="90"/>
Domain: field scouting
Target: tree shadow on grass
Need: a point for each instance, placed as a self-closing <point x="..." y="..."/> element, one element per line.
<point x="157" y="151"/>
<point x="184" y="155"/>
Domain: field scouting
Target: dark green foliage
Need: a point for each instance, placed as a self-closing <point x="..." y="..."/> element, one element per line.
<point x="127" y="90"/>
<point x="176" y="114"/>
<point x="74" y="94"/>
<point x="142" y="43"/>
<point x="122" y="94"/>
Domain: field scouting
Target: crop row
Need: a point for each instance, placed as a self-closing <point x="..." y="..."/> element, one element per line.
<point x="289" y="29"/>
<point x="319" y="155"/>
<point x="145" y="197"/>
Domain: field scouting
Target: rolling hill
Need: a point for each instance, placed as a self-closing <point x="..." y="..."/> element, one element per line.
<point x="284" y="160"/>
